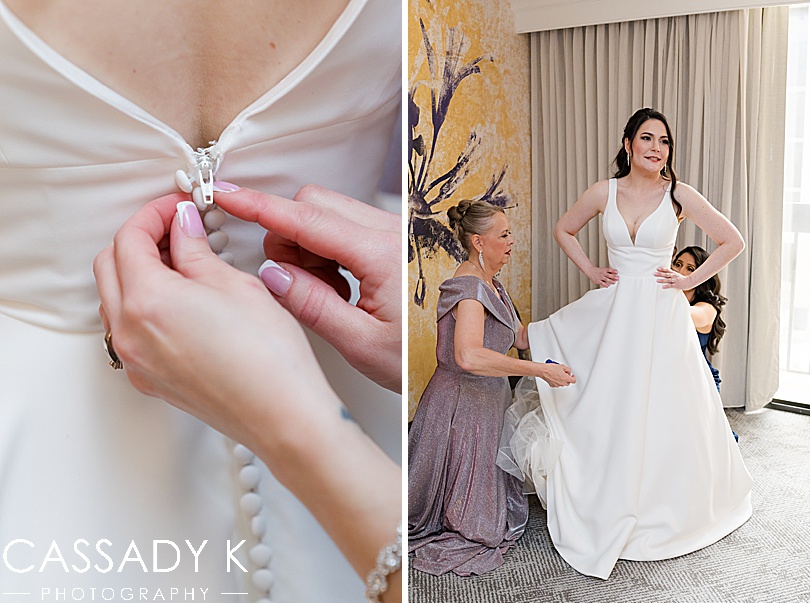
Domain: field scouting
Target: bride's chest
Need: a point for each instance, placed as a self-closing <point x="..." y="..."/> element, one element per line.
<point x="193" y="65"/>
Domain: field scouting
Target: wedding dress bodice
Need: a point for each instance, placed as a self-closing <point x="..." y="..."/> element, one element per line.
<point x="83" y="455"/>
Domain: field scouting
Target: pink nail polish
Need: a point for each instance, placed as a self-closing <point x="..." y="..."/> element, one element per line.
<point x="220" y="186"/>
<point x="190" y="221"/>
<point x="275" y="277"/>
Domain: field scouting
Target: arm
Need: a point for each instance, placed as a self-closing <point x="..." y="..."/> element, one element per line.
<point x="703" y="316"/>
<point x="717" y="227"/>
<point x="583" y="211"/>
<point x="522" y="338"/>
<point x="212" y="341"/>
<point x="473" y="357"/>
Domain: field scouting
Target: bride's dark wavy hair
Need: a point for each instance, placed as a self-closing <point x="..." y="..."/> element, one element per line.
<point x="709" y="292"/>
<point x="630" y="130"/>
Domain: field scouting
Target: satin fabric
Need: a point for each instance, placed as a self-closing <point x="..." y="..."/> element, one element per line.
<point x="82" y="454"/>
<point x="463" y="511"/>
<point x="703" y="338"/>
<point x="648" y="468"/>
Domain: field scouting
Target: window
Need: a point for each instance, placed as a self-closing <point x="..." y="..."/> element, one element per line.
<point x="794" y="337"/>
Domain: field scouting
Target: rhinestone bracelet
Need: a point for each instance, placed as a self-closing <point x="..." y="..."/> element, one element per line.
<point x="389" y="560"/>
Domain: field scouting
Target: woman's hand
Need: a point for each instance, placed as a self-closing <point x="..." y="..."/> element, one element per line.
<point x="672" y="280"/>
<point x="212" y="341"/>
<point x="204" y="336"/>
<point x="557" y="375"/>
<point x="604" y="277"/>
<point x="310" y="237"/>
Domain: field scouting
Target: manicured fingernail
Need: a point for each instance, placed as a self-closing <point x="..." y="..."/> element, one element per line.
<point x="190" y="221"/>
<point x="275" y="277"/>
<point x="220" y="186"/>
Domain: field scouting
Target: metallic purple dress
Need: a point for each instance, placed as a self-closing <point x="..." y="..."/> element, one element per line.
<point x="464" y="512"/>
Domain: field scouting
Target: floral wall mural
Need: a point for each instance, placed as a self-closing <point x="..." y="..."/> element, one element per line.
<point x="468" y="112"/>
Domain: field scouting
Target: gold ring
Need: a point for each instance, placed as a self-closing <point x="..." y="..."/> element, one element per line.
<point x="115" y="361"/>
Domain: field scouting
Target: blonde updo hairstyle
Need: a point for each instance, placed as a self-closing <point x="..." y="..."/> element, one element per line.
<point x="469" y="218"/>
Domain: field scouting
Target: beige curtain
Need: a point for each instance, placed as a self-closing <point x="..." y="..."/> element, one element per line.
<point x="720" y="80"/>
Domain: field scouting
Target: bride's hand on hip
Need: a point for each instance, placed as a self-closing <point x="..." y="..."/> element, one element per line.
<point x="310" y="237"/>
<point x="604" y="277"/>
<point x="557" y="375"/>
<point x="204" y="336"/>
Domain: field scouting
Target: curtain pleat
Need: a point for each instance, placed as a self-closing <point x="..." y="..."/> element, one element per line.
<point x="720" y="80"/>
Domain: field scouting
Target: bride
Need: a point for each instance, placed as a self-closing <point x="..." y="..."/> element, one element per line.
<point x="648" y="468"/>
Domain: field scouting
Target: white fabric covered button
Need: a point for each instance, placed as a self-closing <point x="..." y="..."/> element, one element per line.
<point x="260" y="555"/>
<point x="263" y="579"/>
<point x="214" y="219"/>
<point x="251" y="503"/>
<point x="183" y="181"/>
<point x="243" y="454"/>
<point x="227" y="257"/>
<point x="249" y="476"/>
<point x="217" y="240"/>
<point x="199" y="200"/>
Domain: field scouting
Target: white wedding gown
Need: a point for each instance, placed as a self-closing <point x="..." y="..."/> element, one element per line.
<point x="84" y="458"/>
<point x="648" y="468"/>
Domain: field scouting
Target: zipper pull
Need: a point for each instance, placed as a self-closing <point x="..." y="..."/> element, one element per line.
<point x="205" y="178"/>
<point x="199" y="181"/>
<point x="206" y="163"/>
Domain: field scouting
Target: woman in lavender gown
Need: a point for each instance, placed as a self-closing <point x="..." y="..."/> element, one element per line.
<point x="464" y="511"/>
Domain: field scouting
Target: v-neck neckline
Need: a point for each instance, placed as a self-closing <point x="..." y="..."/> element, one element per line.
<point x="618" y="211"/>
<point x="88" y="83"/>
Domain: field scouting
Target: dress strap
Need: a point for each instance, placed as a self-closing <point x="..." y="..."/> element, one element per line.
<point x="611" y="200"/>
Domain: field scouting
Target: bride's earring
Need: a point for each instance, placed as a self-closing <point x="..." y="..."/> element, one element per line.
<point x="481" y="259"/>
<point x="628" y="160"/>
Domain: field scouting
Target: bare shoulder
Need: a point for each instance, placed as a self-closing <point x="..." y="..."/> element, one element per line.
<point x="598" y="189"/>
<point x="686" y="193"/>
<point x="706" y="306"/>
<point x="693" y="204"/>
<point x="713" y="223"/>
<point x="596" y="195"/>
<point x="590" y="203"/>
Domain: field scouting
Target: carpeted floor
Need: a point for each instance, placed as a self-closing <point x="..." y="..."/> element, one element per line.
<point x="767" y="560"/>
